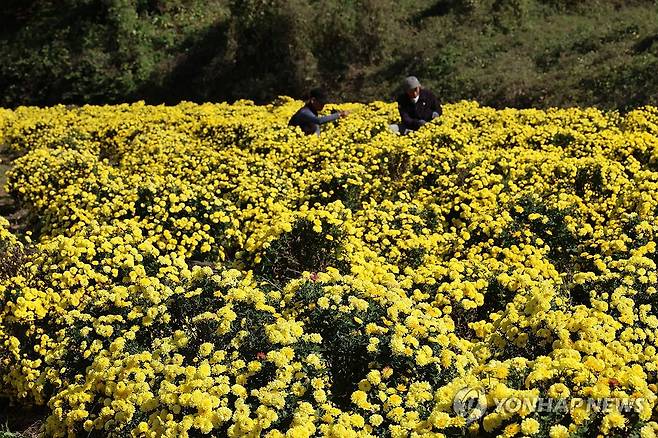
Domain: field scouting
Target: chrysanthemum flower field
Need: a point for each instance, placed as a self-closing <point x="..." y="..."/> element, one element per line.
<point x="204" y="270"/>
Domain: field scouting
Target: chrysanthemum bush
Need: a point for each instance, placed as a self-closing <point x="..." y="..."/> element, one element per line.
<point x="206" y="270"/>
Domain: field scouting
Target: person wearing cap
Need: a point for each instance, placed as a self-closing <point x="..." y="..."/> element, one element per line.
<point x="307" y="117"/>
<point x="416" y="105"/>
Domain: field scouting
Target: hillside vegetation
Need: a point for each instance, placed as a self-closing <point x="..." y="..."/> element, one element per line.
<point x="521" y="53"/>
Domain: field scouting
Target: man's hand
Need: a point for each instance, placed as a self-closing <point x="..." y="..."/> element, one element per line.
<point x="343" y="113"/>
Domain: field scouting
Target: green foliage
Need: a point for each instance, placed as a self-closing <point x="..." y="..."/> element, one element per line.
<point x="339" y="188"/>
<point x="12" y="261"/>
<point x="273" y="54"/>
<point x="519" y="53"/>
<point x="552" y="229"/>
<point x="92" y="50"/>
<point x="301" y="249"/>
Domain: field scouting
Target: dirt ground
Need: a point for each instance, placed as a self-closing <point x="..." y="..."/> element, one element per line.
<point x="20" y="422"/>
<point x="18" y="217"/>
<point x="6" y="203"/>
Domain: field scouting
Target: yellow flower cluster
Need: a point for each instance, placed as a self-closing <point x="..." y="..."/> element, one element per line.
<point x="7" y="239"/>
<point x="205" y="269"/>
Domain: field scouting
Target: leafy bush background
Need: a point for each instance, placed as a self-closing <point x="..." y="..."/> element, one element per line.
<point x="518" y="53"/>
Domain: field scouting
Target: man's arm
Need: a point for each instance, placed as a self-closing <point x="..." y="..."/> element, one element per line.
<point x="306" y="116"/>
<point x="434" y="104"/>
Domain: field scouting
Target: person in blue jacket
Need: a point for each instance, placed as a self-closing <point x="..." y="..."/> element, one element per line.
<point x="307" y="117"/>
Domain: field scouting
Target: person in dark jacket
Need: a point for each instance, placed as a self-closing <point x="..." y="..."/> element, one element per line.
<point x="307" y="117"/>
<point x="416" y="105"/>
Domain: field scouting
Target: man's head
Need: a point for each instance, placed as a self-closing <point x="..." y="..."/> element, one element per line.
<point x="317" y="99"/>
<point x="411" y="86"/>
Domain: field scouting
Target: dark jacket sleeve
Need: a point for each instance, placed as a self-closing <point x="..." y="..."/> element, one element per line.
<point x="434" y="103"/>
<point x="407" y="119"/>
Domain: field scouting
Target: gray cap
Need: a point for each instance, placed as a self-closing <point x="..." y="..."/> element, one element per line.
<point x="410" y="83"/>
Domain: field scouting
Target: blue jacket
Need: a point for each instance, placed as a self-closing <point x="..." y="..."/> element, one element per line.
<point x="307" y="119"/>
